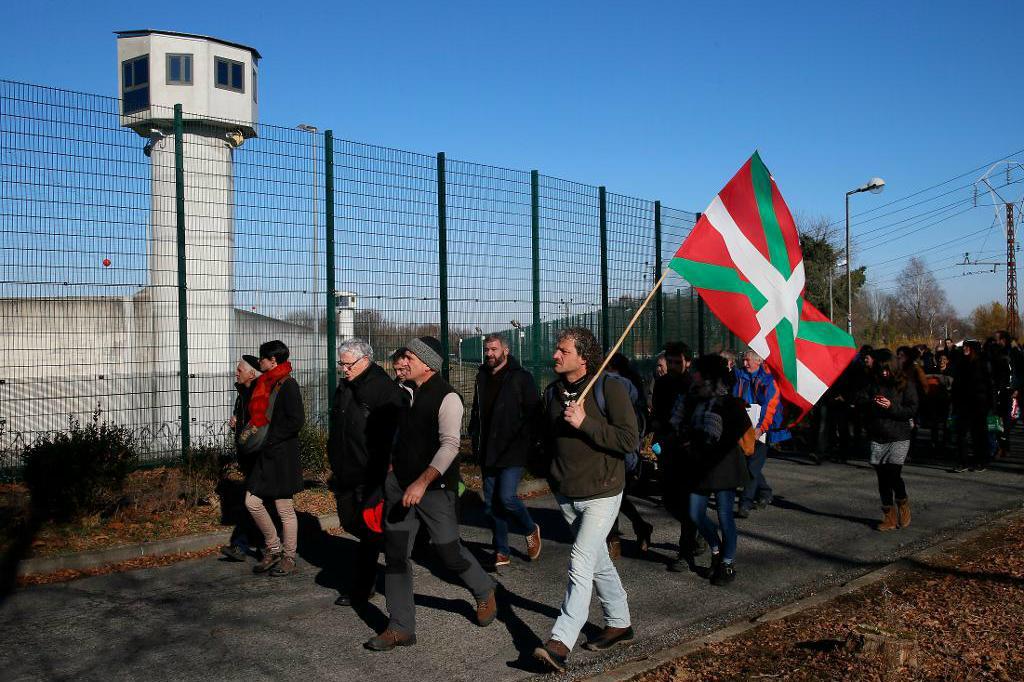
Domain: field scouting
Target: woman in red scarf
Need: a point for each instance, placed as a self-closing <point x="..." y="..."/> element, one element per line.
<point x="276" y="474"/>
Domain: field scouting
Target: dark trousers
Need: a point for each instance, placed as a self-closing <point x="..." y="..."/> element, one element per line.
<point x="890" y="483"/>
<point x="833" y="429"/>
<point x="629" y="510"/>
<point x="757" y="487"/>
<point x="502" y="504"/>
<point x="436" y="511"/>
<point x="675" y="496"/>
<point x="364" y="568"/>
<point x="975" y="424"/>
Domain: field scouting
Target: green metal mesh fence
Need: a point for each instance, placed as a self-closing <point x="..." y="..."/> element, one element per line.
<point x="100" y="306"/>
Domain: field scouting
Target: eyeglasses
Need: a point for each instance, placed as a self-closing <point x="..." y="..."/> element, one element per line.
<point x="349" y="365"/>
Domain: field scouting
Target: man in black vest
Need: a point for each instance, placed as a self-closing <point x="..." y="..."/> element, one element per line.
<point x="503" y="425"/>
<point x="422" y="487"/>
<point x="367" y="405"/>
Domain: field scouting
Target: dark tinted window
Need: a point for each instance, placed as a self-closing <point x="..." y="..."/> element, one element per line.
<point x="179" y="69"/>
<point x="135" y="84"/>
<point x="230" y="75"/>
<point x="222" y="73"/>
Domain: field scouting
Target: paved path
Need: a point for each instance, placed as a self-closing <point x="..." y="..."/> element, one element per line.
<point x="207" y="619"/>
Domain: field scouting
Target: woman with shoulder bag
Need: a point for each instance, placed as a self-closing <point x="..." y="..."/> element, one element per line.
<point x="715" y="439"/>
<point x="272" y="437"/>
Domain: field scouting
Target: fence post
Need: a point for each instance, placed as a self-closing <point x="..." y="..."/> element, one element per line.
<point x="332" y="298"/>
<point x="535" y="240"/>
<point x="659" y="301"/>
<point x="603" y="223"/>
<point x="442" y="262"/>
<point x="179" y="209"/>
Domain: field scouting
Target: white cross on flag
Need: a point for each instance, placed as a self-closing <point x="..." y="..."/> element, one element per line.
<point x="743" y="257"/>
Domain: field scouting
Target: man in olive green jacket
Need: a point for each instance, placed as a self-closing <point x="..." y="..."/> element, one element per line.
<point x="587" y="445"/>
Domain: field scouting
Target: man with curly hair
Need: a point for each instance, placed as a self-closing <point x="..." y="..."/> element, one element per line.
<point x="587" y="446"/>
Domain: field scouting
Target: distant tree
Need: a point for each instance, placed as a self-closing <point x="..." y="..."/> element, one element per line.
<point x="987" y="318"/>
<point x="818" y="241"/>
<point x="921" y="308"/>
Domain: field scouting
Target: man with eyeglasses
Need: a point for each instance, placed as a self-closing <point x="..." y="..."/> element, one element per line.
<point x="367" y="406"/>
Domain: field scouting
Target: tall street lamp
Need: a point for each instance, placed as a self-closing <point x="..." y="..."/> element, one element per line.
<point x="874" y="186"/>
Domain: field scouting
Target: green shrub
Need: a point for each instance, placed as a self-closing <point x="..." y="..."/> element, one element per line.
<point x="80" y="471"/>
<point x="313" y="453"/>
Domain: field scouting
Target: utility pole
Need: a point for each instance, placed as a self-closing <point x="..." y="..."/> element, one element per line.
<point x="1012" y="315"/>
<point x="1004" y="209"/>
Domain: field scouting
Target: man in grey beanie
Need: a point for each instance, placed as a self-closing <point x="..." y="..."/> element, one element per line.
<point x="422" y="487"/>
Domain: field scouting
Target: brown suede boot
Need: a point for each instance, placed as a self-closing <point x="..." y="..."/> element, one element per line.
<point x="903" y="507"/>
<point x="888" y="521"/>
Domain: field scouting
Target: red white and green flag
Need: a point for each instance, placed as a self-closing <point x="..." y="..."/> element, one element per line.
<point x="743" y="257"/>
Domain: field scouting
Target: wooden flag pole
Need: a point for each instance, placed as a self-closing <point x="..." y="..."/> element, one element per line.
<point x="625" y="332"/>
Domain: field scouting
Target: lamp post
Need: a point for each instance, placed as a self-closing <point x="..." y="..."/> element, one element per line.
<point x="874" y="186"/>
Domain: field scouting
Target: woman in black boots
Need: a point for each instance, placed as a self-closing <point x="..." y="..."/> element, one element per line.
<point x="889" y="403"/>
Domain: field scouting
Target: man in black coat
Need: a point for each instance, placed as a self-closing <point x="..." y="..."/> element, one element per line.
<point x="972" y="400"/>
<point x="502" y="424"/>
<point x="367" y="405"/>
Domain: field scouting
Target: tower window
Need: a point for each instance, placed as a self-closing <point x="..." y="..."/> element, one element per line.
<point x="135" y="84"/>
<point x="229" y="75"/>
<point x="179" y="69"/>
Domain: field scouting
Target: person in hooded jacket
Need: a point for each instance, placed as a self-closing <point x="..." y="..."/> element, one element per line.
<point x="503" y="427"/>
<point x="889" y="403"/>
<point x="711" y="428"/>
<point x="364" y="418"/>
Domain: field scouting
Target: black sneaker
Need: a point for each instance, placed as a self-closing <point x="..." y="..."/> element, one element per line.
<point x="962" y="470"/>
<point x="743" y="512"/>
<point x="725" y="574"/>
<point x="233" y="553"/>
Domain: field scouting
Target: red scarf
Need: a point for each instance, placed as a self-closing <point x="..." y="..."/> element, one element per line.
<point x="261" y="394"/>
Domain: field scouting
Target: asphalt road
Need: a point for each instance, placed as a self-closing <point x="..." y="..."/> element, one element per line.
<point x="208" y="619"/>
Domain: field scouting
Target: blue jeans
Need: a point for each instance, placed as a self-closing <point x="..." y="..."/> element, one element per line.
<point x="504" y="483"/>
<point x="757" y="487"/>
<point x="590" y="568"/>
<point x="724" y="500"/>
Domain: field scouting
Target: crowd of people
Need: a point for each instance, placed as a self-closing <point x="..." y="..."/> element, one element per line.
<point x="709" y="423"/>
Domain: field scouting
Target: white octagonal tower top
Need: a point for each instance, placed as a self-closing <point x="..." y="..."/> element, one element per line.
<point x="214" y="80"/>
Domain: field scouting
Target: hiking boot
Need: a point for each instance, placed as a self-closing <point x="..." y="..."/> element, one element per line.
<point x="553" y="655"/>
<point x="716" y="562"/>
<point x="388" y="640"/>
<point x="486" y="610"/>
<point x="268" y="561"/>
<point x="286" y="566"/>
<point x="903" y="511"/>
<point x="888" y="521"/>
<point x="614" y="548"/>
<point x="501" y="560"/>
<point x="233" y="553"/>
<point x="681" y="564"/>
<point x="724" y="574"/>
<point x="533" y="543"/>
<point x="743" y="512"/>
<point x="608" y="638"/>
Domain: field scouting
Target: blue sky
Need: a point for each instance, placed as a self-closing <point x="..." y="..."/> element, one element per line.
<point x="661" y="100"/>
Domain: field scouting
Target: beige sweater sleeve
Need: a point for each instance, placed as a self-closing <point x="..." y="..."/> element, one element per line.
<point x="449" y="431"/>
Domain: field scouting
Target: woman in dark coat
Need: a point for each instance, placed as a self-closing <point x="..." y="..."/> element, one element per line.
<point x="889" y="404"/>
<point x="713" y="423"/>
<point x="276" y="469"/>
